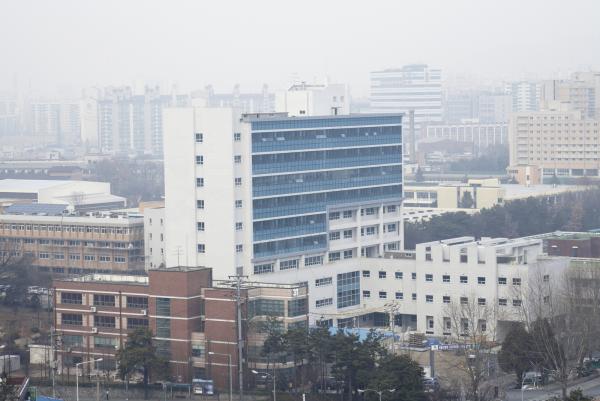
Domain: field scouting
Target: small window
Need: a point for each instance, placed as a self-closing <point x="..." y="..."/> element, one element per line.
<point x="464" y="300"/>
<point x="347" y="234"/>
<point x="502" y="301"/>
<point x="446" y="278"/>
<point x="366" y="273"/>
<point x="382" y="274"/>
<point x="238" y="182"/>
<point x="464" y="279"/>
<point x="237" y="159"/>
<point x="414" y="276"/>
<point x="414" y="296"/>
<point x="239" y="248"/>
<point x="200" y="160"/>
<point x="201" y="248"/>
<point x="288" y="264"/>
<point x="200" y="204"/>
<point x="347" y="214"/>
<point x="429" y="277"/>
<point x="446" y="299"/>
<point x="546" y="278"/>
<point x="200" y="225"/>
<point x="517" y="302"/>
<point x="348" y="254"/>
<point x="333" y="256"/>
<point x="501" y="280"/>
<point x="322" y="282"/>
<point x="480" y="280"/>
<point x="199" y="137"/>
<point x="429" y="298"/>
<point x="237" y="136"/>
<point x="366" y="294"/>
<point x="382" y="295"/>
<point x="334" y="216"/>
<point x="399" y="275"/>
<point x="334" y="236"/>
<point x="238" y="204"/>
<point x="239" y="226"/>
<point x="481" y="301"/>
<point x="516" y="281"/>
<point x="199" y="182"/>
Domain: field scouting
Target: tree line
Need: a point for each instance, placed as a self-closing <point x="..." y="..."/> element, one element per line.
<point x="572" y="211"/>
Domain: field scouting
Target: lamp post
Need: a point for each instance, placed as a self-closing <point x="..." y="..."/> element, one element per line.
<point x="266" y="374"/>
<point x="229" y="365"/>
<point x="390" y="390"/>
<point x="77" y="373"/>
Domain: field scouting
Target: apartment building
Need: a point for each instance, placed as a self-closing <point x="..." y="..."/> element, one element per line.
<point x="266" y="193"/>
<point x="192" y="318"/>
<point x="420" y="286"/>
<point x="65" y="244"/>
<point x="482" y="136"/>
<point x="553" y="142"/>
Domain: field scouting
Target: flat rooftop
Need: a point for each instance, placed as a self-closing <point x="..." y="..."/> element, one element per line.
<point x="109" y="279"/>
<point x="34" y="186"/>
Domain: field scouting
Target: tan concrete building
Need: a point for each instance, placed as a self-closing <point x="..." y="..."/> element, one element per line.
<point x="553" y="142"/>
<point x="475" y="194"/>
<point x="66" y="244"/>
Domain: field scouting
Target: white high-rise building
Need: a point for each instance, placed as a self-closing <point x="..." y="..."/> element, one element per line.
<point x="525" y="95"/>
<point x="264" y="193"/>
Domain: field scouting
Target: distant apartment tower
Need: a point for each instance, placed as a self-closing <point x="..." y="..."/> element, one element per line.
<point x="314" y="100"/>
<point x="260" y="193"/>
<point x="120" y="121"/>
<point x="525" y="95"/>
<point x="580" y="93"/>
<point x="246" y="102"/>
<point x="555" y="142"/>
<point x="9" y="118"/>
<point x="412" y="87"/>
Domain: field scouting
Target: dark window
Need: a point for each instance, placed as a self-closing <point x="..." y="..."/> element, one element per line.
<point x="163" y="328"/>
<point x="104" y="321"/>
<point x="72" y="319"/>
<point x="297" y="307"/>
<point x="133" y="323"/>
<point x="137" y="302"/>
<point x="104" y="300"/>
<point x="163" y="306"/>
<point x="266" y="307"/>
<point x="70" y="298"/>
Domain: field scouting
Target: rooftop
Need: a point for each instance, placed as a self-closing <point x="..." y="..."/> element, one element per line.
<point x="30" y="186"/>
<point x="109" y="278"/>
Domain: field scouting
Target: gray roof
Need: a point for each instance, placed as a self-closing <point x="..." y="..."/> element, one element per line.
<point x="46" y="209"/>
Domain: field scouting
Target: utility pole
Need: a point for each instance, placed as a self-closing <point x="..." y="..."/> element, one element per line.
<point x="240" y="344"/>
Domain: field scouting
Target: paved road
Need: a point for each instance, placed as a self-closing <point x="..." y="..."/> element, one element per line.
<point x="590" y="387"/>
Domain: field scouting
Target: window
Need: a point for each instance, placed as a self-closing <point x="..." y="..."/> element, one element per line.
<point x="348" y="289"/>
<point x="429" y="277"/>
<point x="464" y="279"/>
<point x="446" y="278"/>
<point x="347" y="234"/>
<point x="502" y="301"/>
<point x="382" y="274"/>
<point x="400" y="296"/>
<point x="199" y="159"/>
<point x="399" y="275"/>
<point x="237" y="159"/>
<point x="319" y="303"/>
<point x="137" y="302"/>
<point x="200" y="204"/>
<point x="199" y="182"/>
<point x="70" y="298"/>
<point x="197" y="350"/>
<point x="322" y="282"/>
<point x="70" y="340"/>
<point x="516" y="281"/>
<point x="163" y="328"/>
<point x="414" y="296"/>
<point x="72" y="319"/>
<point x="237" y="136"/>
<point x="263" y="268"/>
<point x="239" y="248"/>
<point x="391" y="209"/>
<point x="238" y="181"/>
<point x="366" y="294"/>
<point x="238" y="204"/>
<point x="464" y="300"/>
<point x="134" y="323"/>
<point x="517" y="302"/>
<point x="481" y="301"/>
<point x="414" y="276"/>
<point x="266" y="307"/>
<point x="201" y="248"/>
<point x="391" y="228"/>
<point x="163" y="306"/>
<point x="334" y="215"/>
<point x="501" y="280"/>
<point x="367" y="231"/>
<point x="89" y="258"/>
<point x="368" y="211"/>
<point x="104" y="300"/>
<point x="333" y="256"/>
<point x="429" y="298"/>
<point x="288" y="264"/>
<point x="200" y="226"/>
<point x="105" y="342"/>
<point x="382" y="295"/>
<point x="199" y="137"/>
<point x="546" y="278"/>
<point x="239" y="226"/>
<point x="44" y="255"/>
<point x="313" y="260"/>
<point x="58" y="256"/>
<point x="366" y="273"/>
<point x="348" y="254"/>
<point x="104" y="321"/>
<point x="446" y="299"/>
<point x="347" y="214"/>
<point x="480" y="280"/>
<point x="334" y="236"/>
<point x="120" y="259"/>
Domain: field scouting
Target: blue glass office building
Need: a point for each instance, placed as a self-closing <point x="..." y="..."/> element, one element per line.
<point x="308" y="170"/>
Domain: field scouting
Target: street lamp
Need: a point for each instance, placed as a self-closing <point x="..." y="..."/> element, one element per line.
<point x="390" y="390"/>
<point x="77" y="373"/>
<point x="229" y="365"/>
<point x="266" y="374"/>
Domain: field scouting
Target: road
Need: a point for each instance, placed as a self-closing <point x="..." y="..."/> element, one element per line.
<point x="590" y="388"/>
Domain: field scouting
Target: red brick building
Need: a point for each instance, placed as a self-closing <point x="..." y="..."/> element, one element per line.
<point x="579" y="245"/>
<point x="189" y="315"/>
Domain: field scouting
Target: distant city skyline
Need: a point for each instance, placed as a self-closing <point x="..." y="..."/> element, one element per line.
<point x="81" y="44"/>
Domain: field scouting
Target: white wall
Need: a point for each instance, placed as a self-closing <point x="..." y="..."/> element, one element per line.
<point x="154" y="237"/>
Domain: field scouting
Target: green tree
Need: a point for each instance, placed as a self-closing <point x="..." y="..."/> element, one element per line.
<point x="402" y="374"/>
<point x="577" y="395"/>
<point x="139" y="353"/>
<point x="320" y="352"/>
<point x="296" y="344"/>
<point x="467" y="201"/>
<point x="518" y="353"/>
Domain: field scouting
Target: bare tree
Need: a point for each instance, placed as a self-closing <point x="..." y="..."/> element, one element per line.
<point x="471" y="322"/>
<point x="562" y="316"/>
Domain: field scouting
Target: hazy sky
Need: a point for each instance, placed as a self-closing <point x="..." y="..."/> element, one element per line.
<point x="59" y="44"/>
